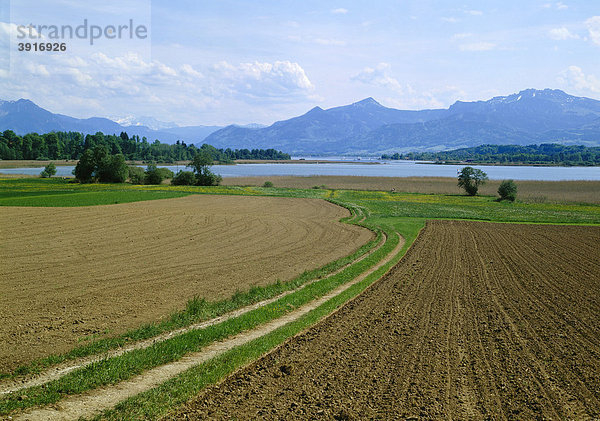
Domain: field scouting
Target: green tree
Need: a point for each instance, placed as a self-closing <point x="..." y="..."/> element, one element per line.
<point x="116" y="170"/>
<point x="54" y="145"/>
<point x="49" y="171"/>
<point x="98" y="164"/>
<point x="153" y="175"/>
<point x="184" y="178"/>
<point x="102" y="163"/>
<point x="508" y="190"/>
<point x="85" y="168"/>
<point x="470" y="179"/>
<point x="201" y="164"/>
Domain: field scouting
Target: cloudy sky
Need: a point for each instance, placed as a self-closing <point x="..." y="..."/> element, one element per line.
<point x="225" y="61"/>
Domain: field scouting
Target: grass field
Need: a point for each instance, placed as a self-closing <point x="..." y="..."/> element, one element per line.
<point x="529" y="191"/>
<point x="385" y="211"/>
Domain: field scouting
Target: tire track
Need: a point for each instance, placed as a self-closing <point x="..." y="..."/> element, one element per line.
<point x="95" y="401"/>
<point x="58" y="371"/>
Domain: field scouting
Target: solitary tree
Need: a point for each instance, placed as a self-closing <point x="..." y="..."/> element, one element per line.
<point x="201" y="164"/>
<point x="470" y="179"/>
<point x="508" y="190"/>
<point x="49" y="171"/>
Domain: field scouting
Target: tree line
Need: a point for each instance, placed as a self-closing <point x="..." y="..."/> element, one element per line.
<point x="71" y="145"/>
<point x="546" y="153"/>
<point x="97" y="164"/>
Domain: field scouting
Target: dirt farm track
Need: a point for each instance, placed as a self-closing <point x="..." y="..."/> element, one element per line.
<point x="67" y="274"/>
<point x="478" y="321"/>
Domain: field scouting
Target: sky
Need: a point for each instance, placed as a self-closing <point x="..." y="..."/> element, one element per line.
<point x="223" y="61"/>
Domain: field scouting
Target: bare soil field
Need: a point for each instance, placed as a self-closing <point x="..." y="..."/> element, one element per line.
<point x="529" y="191"/>
<point x="71" y="273"/>
<point x="478" y="321"/>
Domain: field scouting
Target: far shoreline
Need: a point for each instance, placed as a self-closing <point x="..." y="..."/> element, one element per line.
<point x="25" y="163"/>
<point x="500" y="164"/>
<point x="28" y="163"/>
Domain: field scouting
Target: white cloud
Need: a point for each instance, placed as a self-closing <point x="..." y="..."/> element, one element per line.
<point x="449" y="19"/>
<point x="100" y="84"/>
<point x="474" y="12"/>
<point x="12" y="30"/>
<point x="379" y="76"/>
<point x="562" y="33"/>
<point x="188" y="70"/>
<point x="340" y="11"/>
<point x="593" y="27"/>
<point x="264" y="80"/>
<point x="79" y="78"/>
<point x="478" y="46"/>
<point x="462" y="35"/>
<point x="574" y="78"/>
<point x="404" y="95"/>
<point x="335" y="42"/>
<point x="418" y="99"/>
<point x="558" y="6"/>
<point x="37" y="69"/>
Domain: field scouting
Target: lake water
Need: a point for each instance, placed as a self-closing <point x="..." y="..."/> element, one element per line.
<point x="383" y="169"/>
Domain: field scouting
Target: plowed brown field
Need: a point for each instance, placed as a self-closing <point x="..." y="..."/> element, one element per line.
<point x="479" y="321"/>
<point x="67" y="273"/>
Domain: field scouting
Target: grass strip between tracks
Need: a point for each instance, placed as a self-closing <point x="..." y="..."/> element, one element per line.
<point x="173" y="393"/>
<point x="119" y="368"/>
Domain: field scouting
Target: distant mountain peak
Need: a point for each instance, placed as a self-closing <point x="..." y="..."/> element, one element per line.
<point x="315" y="110"/>
<point x="367" y="102"/>
<point x="22" y="102"/>
<point x="150" y="122"/>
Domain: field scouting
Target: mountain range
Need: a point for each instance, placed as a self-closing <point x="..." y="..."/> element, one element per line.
<point x="23" y="116"/>
<point x="365" y="127"/>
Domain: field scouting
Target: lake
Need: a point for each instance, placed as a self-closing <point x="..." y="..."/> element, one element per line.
<point x="383" y="169"/>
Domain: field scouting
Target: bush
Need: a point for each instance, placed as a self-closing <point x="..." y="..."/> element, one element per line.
<point x="268" y="184"/>
<point x="153" y="175"/>
<point x="508" y="190"/>
<point x="136" y="175"/>
<point x="184" y="178"/>
<point x="166" y="173"/>
<point x="208" y="178"/>
<point x="49" y="171"/>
